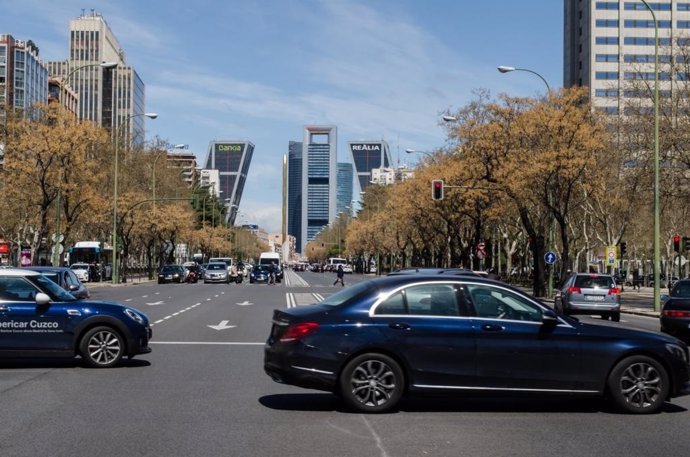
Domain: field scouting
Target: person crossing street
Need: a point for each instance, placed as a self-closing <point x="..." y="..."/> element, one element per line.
<point x="340" y="276"/>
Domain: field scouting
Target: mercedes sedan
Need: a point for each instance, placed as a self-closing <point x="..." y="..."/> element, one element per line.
<point x="376" y="341"/>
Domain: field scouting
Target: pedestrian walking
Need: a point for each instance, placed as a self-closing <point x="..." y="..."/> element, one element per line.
<point x="340" y="276"/>
<point x="636" y="280"/>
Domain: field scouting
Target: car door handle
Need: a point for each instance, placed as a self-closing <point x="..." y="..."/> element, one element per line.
<point x="399" y="326"/>
<point x="492" y="328"/>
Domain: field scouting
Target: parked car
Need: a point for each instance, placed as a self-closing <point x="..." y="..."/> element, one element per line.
<point x="216" y="272"/>
<point x="81" y="270"/>
<point x="378" y="340"/>
<point x="675" y="311"/>
<point x="171" y="273"/>
<point x="65" y="278"/>
<point x="39" y="318"/>
<point x="589" y="293"/>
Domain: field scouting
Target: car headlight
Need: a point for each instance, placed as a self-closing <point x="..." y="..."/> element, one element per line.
<point x="134" y="315"/>
<point x="677" y="351"/>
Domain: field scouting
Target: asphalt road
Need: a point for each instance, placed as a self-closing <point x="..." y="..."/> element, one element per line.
<point x="203" y="392"/>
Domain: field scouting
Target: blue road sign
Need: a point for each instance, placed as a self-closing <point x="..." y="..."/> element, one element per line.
<point x="550" y="258"/>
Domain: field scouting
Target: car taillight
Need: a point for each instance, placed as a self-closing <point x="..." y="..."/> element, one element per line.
<point x="614" y="291"/>
<point x="675" y="313"/>
<point x="296" y="332"/>
<point x="574" y="290"/>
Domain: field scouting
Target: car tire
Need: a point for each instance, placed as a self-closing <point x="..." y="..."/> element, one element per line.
<point x="639" y="385"/>
<point x="616" y="317"/>
<point x="372" y="383"/>
<point x="101" y="347"/>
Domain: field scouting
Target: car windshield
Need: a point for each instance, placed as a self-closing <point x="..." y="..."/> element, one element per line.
<point x="594" y="282"/>
<point x="56" y="292"/>
<point x="216" y="266"/>
<point x="348" y="293"/>
<point x="168" y="269"/>
<point x="681" y="290"/>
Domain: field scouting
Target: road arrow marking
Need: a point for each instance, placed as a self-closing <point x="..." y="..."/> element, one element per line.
<point x="156" y="303"/>
<point x="245" y="303"/>
<point x="222" y="326"/>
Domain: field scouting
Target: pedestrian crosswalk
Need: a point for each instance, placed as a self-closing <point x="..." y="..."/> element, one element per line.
<point x="301" y="299"/>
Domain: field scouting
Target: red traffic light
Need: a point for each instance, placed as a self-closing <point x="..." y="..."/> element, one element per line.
<point x="676" y="238"/>
<point x="437" y="189"/>
<point x="676" y="243"/>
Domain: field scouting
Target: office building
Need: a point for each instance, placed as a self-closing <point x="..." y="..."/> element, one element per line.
<point x="367" y="155"/>
<point x="343" y="198"/>
<point x="294" y="192"/>
<point x="185" y="162"/>
<point x="609" y="45"/>
<point x="113" y="98"/>
<point x="232" y="160"/>
<point x="319" y="156"/>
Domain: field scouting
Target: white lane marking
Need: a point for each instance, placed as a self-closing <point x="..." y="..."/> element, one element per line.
<point x="287" y="299"/>
<point x="176" y="314"/>
<point x="245" y="303"/>
<point x="318" y="297"/>
<point x="208" y="343"/>
<point x="160" y="302"/>
<point x="222" y="326"/>
<point x="144" y="296"/>
<point x="377" y="438"/>
<point x="157" y="293"/>
<point x="129" y="299"/>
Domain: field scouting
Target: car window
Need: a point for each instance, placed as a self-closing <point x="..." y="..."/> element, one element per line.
<point x="71" y="279"/>
<point x="681" y="290"/>
<point x="495" y="303"/>
<point x="347" y="294"/>
<point x="216" y="266"/>
<point x="18" y="289"/>
<point x="423" y="300"/>
<point x="594" y="282"/>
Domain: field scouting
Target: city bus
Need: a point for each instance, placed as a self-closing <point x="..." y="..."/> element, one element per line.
<point x="93" y="253"/>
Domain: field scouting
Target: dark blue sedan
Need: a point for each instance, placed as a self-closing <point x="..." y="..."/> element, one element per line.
<point x="378" y="340"/>
<point x="40" y="318"/>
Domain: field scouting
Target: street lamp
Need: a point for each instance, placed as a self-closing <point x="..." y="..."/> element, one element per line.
<point x="657" y="254"/>
<point x="116" y="269"/>
<point x="414" y="151"/>
<point x="58" y="203"/>
<point x="506" y="69"/>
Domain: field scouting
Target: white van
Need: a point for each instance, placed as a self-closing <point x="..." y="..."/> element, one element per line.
<point x="268" y="258"/>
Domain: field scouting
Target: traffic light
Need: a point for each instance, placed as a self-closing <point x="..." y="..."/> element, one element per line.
<point x="624" y="248"/>
<point x="676" y="243"/>
<point x="686" y="243"/>
<point x="437" y="189"/>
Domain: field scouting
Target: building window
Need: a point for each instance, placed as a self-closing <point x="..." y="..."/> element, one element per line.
<point x="645" y="58"/>
<point x="645" y="75"/>
<point x="683" y="24"/>
<point x="645" y="41"/>
<point x="608" y="40"/>
<point x="607" y="23"/>
<point x="607" y="5"/>
<point x="606" y="75"/>
<point x="639" y="6"/>
<point x="608" y="109"/>
<point x="607" y="57"/>
<point x="606" y="93"/>
<point x="683" y="6"/>
<point x="645" y="24"/>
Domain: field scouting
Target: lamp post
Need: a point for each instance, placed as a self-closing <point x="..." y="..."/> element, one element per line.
<point x="58" y="223"/>
<point x="657" y="216"/>
<point x="427" y="153"/>
<point x="116" y="269"/>
<point x="506" y="69"/>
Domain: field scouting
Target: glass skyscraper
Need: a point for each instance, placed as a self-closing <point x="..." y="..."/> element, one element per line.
<point x="294" y="198"/>
<point x="319" y="155"/>
<point x="367" y="155"/>
<point x="232" y="160"/>
<point x="344" y="189"/>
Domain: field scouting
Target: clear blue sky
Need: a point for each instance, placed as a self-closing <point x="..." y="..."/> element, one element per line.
<point x="261" y="70"/>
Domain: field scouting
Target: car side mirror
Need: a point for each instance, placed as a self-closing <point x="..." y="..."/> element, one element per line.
<point x="73" y="287"/>
<point x="549" y="319"/>
<point x="42" y="299"/>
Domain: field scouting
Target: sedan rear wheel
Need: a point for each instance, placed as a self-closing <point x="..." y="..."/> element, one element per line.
<point x="372" y="383"/>
<point x="639" y="384"/>
<point x="101" y="347"/>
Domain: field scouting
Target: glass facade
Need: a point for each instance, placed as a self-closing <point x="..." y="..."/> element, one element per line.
<point x="232" y="160"/>
<point x="294" y="197"/>
<point x="344" y="188"/>
<point x="367" y="155"/>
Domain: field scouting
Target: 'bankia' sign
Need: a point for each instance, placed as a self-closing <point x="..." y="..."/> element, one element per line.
<point x="376" y="147"/>
<point x="224" y="147"/>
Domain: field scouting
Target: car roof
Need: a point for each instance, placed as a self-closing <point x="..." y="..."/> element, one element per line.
<point x="392" y="281"/>
<point x="433" y="271"/>
<point x="46" y="268"/>
<point x="18" y="272"/>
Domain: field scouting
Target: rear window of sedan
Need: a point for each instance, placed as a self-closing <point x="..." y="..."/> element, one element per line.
<point x="348" y="293"/>
<point x="681" y="290"/>
<point x="217" y="266"/>
<point x="594" y="282"/>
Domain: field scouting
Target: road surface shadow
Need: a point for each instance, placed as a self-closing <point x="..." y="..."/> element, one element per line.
<point x="424" y="403"/>
<point x="47" y="362"/>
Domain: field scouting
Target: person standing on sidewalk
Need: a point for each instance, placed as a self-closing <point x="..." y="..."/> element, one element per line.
<point x="636" y="280"/>
<point x="340" y="276"/>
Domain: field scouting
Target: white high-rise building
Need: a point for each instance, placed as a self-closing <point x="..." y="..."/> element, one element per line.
<point x="610" y="44"/>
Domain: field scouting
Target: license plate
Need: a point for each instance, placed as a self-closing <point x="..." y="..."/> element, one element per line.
<point x="168" y="277"/>
<point x="594" y="297"/>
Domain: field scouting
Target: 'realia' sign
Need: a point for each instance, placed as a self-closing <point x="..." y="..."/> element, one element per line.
<point x="4" y="248"/>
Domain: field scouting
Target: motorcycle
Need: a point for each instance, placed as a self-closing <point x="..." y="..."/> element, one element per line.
<point x="192" y="277"/>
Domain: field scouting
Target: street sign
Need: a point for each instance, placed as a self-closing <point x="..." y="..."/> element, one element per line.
<point x="550" y="258"/>
<point x="611" y="256"/>
<point x="481" y="250"/>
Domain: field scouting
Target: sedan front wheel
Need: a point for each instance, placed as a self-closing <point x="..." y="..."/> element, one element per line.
<point x="639" y="384"/>
<point x="372" y="383"/>
<point x="101" y="347"/>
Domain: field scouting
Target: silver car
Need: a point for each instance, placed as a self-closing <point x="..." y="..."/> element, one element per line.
<point x="590" y="293"/>
<point x="216" y="272"/>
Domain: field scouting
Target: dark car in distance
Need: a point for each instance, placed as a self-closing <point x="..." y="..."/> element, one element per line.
<point x="65" y="278"/>
<point x="260" y="273"/>
<point x="171" y="273"/>
<point x="39" y="318"/>
<point x="675" y="311"/>
<point x="378" y="340"/>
